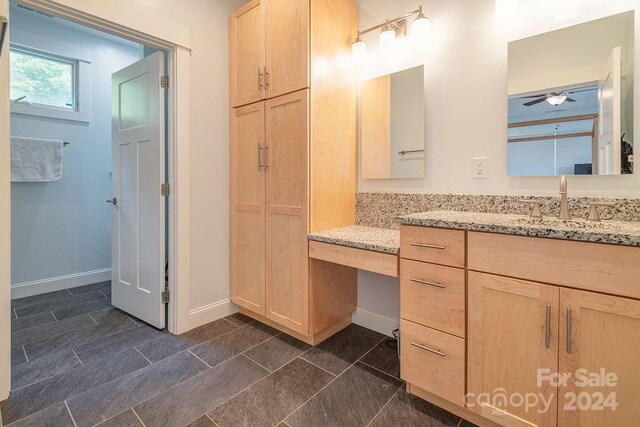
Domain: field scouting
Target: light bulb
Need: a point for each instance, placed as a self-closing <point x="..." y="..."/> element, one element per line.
<point x="358" y="49"/>
<point x="387" y="39"/>
<point x="420" y="26"/>
<point x="556" y="99"/>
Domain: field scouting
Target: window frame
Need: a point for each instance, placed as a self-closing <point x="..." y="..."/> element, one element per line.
<point x="55" y="50"/>
<point x="54" y="58"/>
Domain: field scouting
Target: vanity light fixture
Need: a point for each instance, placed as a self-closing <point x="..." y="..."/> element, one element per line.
<point x="420" y="25"/>
<point x="358" y="49"/>
<point x="392" y="28"/>
<point x="387" y="38"/>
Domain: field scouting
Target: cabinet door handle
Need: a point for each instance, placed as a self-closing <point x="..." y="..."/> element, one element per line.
<point x="260" y="83"/>
<point x="547" y="327"/>
<point x="259" y="157"/>
<point x="568" y="331"/>
<point x="266" y="77"/>
<point x="420" y="346"/>
<point x="426" y="282"/>
<point x="426" y="245"/>
<point x="266" y="156"/>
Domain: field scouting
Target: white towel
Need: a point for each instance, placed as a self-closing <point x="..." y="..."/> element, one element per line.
<point x="36" y="160"/>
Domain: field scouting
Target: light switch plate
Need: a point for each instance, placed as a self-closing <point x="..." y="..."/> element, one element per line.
<point x="479" y="168"/>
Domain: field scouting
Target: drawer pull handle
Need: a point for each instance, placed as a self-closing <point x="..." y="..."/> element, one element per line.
<point x="438" y="352"/>
<point x="426" y="245"/>
<point x="547" y="327"/>
<point x="426" y="282"/>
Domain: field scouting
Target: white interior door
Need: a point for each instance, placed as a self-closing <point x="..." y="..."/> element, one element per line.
<point x="610" y="104"/>
<point x="138" y="242"/>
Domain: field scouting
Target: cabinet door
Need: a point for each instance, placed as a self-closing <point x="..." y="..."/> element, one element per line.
<point x="287" y="210"/>
<point x="247" y="54"/>
<point x="287" y="44"/>
<point x="247" y="223"/>
<point x="600" y="336"/>
<point x="512" y="337"/>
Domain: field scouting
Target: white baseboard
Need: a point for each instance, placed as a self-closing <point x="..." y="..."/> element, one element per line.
<point x="27" y="289"/>
<point x="208" y="313"/>
<point x="370" y="320"/>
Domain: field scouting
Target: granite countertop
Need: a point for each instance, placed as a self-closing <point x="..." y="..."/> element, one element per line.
<point x="355" y="236"/>
<point x="613" y="232"/>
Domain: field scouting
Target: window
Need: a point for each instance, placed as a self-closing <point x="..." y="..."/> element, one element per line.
<point x="42" y="80"/>
<point x="49" y="79"/>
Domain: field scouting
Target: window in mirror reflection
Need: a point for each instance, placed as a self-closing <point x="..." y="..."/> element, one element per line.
<point x="392" y="125"/>
<point x="571" y="100"/>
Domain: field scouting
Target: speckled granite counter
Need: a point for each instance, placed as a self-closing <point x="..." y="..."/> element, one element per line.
<point x="369" y="238"/>
<point x="613" y="232"/>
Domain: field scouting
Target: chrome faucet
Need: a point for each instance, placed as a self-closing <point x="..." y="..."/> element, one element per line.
<point x="564" y="203"/>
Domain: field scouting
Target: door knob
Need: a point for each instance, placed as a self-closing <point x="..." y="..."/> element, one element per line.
<point x="113" y="200"/>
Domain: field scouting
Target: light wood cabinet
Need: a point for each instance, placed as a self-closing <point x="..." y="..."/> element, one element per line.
<point x="432" y="312"/>
<point x="247" y="53"/>
<point x="432" y="360"/>
<point x="535" y="329"/>
<point x="433" y="295"/>
<point x="247" y="270"/>
<point x="268" y="49"/>
<point x="287" y="46"/>
<point x="434" y="245"/>
<point x="513" y="333"/>
<point x="269" y="261"/>
<point x="287" y="209"/>
<point x="298" y="162"/>
<point x="599" y="332"/>
<point x="376" y="128"/>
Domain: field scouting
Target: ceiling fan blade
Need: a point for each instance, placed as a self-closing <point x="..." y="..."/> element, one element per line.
<point x="587" y="89"/>
<point x="570" y="100"/>
<point x="534" y="96"/>
<point x="534" y="102"/>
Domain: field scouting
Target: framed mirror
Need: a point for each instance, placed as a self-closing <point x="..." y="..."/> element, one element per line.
<point x="392" y="125"/>
<point x="571" y="100"/>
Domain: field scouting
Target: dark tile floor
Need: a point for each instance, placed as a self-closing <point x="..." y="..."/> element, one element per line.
<point x="77" y="361"/>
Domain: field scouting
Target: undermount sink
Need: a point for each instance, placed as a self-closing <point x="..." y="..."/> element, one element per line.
<point x="569" y="223"/>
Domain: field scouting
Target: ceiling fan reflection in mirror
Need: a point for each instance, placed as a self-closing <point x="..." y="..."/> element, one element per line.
<point x="554" y="98"/>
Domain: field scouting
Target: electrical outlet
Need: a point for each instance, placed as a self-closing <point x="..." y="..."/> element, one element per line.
<point x="479" y="168"/>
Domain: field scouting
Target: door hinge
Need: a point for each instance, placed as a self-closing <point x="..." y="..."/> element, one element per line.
<point x="164" y="82"/>
<point x="165" y="297"/>
<point x="164" y="189"/>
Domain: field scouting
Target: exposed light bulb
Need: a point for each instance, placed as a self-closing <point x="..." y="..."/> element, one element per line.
<point x="387" y="40"/>
<point x="556" y="99"/>
<point x="358" y="49"/>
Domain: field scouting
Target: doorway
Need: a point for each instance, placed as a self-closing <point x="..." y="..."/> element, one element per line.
<point x="174" y="39"/>
<point x="88" y="143"/>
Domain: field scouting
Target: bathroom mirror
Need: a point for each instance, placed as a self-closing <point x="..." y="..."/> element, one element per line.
<point x="571" y="100"/>
<point x="392" y="125"/>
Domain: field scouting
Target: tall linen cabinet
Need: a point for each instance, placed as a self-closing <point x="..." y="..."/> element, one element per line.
<point x="293" y="160"/>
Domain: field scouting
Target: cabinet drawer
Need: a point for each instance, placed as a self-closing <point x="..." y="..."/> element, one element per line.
<point x="433" y="296"/>
<point x="432" y="360"/>
<point x="611" y="269"/>
<point x="435" y="245"/>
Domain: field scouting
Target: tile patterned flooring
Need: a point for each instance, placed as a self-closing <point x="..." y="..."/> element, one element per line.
<point x="78" y="361"/>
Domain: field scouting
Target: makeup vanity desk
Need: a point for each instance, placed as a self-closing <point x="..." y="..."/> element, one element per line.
<point x="365" y="248"/>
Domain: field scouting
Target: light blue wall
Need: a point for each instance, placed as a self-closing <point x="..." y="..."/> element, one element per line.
<point x="64" y="228"/>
